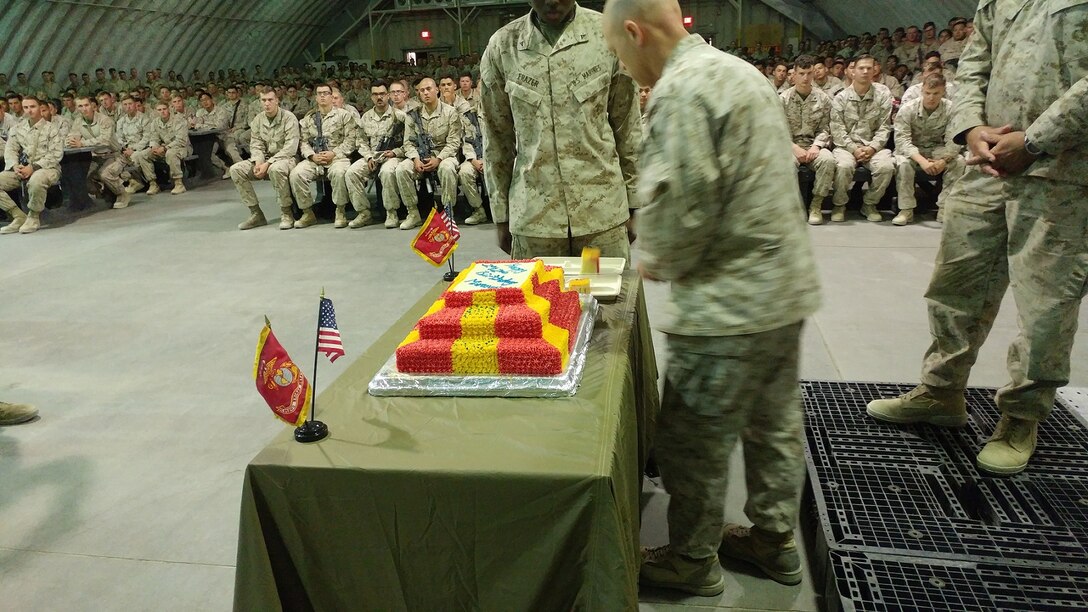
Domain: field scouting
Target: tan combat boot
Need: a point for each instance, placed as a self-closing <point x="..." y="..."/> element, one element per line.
<point x="179" y="187"/>
<point x="391" y="220"/>
<point x="17" y="221"/>
<point x="1011" y="446"/>
<point x="773" y="553"/>
<point x="123" y="200"/>
<point x="13" y="414"/>
<point x="871" y="214"/>
<point x="413" y="221"/>
<point x="256" y="219"/>
<point x="362" y="219"/>
<point x="134" y="185"/>
<point x="287" y="219"/>
<point x="153" y="188"/>
<point x="816" y="211"/>
<point x="477" y="217"/>
<point x="665" y="569"/>
<point x="922" y="405"/>
<point x="341" y="220"/>
<point x="838" y="214"/>
<point x="307" y="219"/>
<point x="905" y="217"/>
<point x="31" y="225"/>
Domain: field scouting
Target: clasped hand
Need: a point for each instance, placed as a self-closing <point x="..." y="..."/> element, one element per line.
<point x="998" y="151"/>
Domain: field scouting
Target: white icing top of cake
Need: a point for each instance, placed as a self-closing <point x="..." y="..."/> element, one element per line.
<point x="486" y="276"/>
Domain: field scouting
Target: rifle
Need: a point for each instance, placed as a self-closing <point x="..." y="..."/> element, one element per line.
<point x="425" y="145"/>
<point x="24" y="160"/>
<point x="394" y="138"/>
<point x="320" y="143"/>
<point x="478" y="145"/>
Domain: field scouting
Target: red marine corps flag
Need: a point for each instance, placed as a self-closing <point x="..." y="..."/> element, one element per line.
<point x="279" y="381"/>
<point x="437" y="239"/>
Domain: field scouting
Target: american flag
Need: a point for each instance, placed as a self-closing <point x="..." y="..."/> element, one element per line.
<point x="446" y="216"/>
<point x="328" y="336"/>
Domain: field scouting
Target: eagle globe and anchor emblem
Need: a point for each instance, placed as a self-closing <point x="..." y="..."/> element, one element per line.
<point x="285" y="374"/>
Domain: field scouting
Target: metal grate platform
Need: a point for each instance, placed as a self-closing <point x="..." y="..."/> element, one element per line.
<point x="914" y="493"/>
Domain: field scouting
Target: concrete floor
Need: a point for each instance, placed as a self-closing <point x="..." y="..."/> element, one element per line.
<point x="133" y="332"/>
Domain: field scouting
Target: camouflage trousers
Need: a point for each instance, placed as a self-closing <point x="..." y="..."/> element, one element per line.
<point x="882" y="166"/>
<point x="907" y="170"/>
<point x="306" y="172"/>
<point x="145" y="160"/>
<point x="612" y="243"/>
<point x="358" y="175"/>
<point x="36" y="188"/>
<point x="279" y="173"/>
<point x="1034" y="233"/>
<point x="719" y="390"/>
<point x="467" y="177"/>
<point x="107" y="170"/>
<point x="824" y="168"/>
<point x="407" y="178"/>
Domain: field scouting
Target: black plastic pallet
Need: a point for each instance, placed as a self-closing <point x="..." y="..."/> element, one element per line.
<point x="914" y="491"/>
<point x="866" y="581"/>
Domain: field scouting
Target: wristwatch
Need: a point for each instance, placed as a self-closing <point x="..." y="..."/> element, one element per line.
<point x="1032" y="148"/>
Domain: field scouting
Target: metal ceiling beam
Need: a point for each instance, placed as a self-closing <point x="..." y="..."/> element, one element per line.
<point x="337" y="30"/>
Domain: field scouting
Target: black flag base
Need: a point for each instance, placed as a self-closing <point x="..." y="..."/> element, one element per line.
<point x="452" y="274"/>
<point x="311" y="431"/>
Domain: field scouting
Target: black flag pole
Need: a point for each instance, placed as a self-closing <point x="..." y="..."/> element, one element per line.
<point x="313" y="430"/>
<point x="452" y="274"/>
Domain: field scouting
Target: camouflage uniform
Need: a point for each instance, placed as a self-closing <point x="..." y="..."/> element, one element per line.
<point x="1028" y="228"/>
<point x="918" y="132"/>
<point x="742" y="277"/>
<point x="952" y="49"/>
<point x="131" y="135"/>
<point x="858" y="121"/>
<point x="107" y="164"/>
<point x="340" y="129"/>
<point x="832" y="85"/>
<point x="893" y="85"/>
<point x="43" y="148"/>
<point x="274" y="141"/>
<point x="299" y="106"/>
<point x="64" y="126"/>
<point x="444" y="126"/>
<point x="7" y="123"/>
<point x="909" y="55"/>
<point x="467" y="176"/>
<point x="214" y="119"/>
<point x="809" y="120"/>
<point x="561" y="129"/>
<point x="172" y="134"/>
<point x="237" y="128"/>
<point x="914" y="92"/>
<point x="373" y="129"/>
<point x="472" y="100"/>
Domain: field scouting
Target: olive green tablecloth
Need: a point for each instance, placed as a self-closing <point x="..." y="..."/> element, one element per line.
<point x="459" y="503"/>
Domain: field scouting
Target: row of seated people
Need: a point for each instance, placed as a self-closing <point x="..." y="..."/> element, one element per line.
<point x="118" y="80"/>
<point x="909" y="45"/>
<point x="438" y="143"/>
<point x="438" y="137"/>
<point x="832" y="76"/>
<point x="834" y="136"/>
<point x="295" y="95"/>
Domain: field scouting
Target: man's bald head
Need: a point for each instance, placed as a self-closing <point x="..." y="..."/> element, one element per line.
<point x="643" y="33"/>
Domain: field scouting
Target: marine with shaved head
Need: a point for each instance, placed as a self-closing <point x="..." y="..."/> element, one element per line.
<point x="721" y="225"/>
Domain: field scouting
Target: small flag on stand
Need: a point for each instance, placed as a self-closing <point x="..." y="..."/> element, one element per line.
<point x="328" y="335"/>
<point x="279" y="381"/>
<point x="437" y="239"/>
